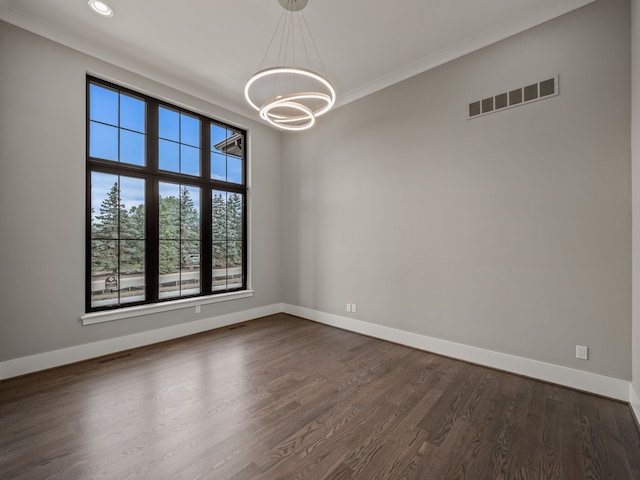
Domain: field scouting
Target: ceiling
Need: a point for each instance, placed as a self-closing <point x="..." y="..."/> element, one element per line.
<point x="209" y="48"/>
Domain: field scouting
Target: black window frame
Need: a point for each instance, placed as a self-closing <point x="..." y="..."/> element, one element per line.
<point x="153" y="176"/>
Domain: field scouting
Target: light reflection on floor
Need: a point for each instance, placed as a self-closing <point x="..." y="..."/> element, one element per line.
<point x="166" y="407"/>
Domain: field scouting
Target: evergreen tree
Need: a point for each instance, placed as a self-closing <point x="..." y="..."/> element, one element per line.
<point x="117" y="235"/>
<point x="179" y="230"/>
<point x="219" y="227"/>
<point x="189" y="226"/>
<point x="234" y="229"/>
<point x="190" y="217"/>
<point x="227" y="209"/>
<point x="169" y="234"/>
<point x="133" y="229"/>
<point x="105" y="232"/>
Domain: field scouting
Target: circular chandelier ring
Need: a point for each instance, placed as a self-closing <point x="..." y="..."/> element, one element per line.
<point x="292" y="98"/>
<point x="308" y="114"/>
<point x="293" y="71"/>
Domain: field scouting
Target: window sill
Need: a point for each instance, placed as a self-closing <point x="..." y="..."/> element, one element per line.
<point x="108" y="316"/>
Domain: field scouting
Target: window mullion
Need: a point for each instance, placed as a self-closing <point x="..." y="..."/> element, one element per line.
<point x="118" y="240"/>
<point x="152" y="218"/>
<point x="206" y="248"/>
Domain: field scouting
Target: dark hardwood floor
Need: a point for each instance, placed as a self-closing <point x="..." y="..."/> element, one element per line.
<point x="285" y="398"/>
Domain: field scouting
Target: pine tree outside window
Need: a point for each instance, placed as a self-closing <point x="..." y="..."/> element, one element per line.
<point x="166" y="201"/>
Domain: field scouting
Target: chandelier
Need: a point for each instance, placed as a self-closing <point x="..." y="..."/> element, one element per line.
<point x="290" y="97"/>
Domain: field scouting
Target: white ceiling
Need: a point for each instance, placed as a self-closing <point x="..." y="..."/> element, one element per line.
<point x="209" y="48"/>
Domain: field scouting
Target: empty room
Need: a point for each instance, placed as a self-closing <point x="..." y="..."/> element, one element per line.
<point x="314" y="239"/>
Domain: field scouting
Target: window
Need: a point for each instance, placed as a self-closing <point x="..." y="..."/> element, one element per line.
<point x="166" y="201"/>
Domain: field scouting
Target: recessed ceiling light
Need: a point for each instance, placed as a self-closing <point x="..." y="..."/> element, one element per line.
<point x="101" y="8"/>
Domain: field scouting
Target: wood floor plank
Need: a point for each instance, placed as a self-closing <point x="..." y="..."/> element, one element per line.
<point x="286" y="398"/>
<point x="629" y="436"/>
<point x="473" y="451"/>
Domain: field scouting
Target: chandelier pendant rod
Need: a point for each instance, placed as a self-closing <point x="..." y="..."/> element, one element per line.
<point x="275" y="32"/>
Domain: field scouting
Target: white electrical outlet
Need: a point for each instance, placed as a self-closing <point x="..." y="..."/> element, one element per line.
<point x="348" y="307"/>
<point x="354" y="308"/>
<point x="582" y="352"/>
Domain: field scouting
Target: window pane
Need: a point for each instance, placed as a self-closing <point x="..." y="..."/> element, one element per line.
<point x="169" y="269"/>
<point x="169" y="124"/>
<point x="103" y="141"/>
<point x="103" y="104"/>
<point x="117" y="126"/>
<point x="189" y="160"/>
<point x="169" y="212"/>
<point x="169" y="156"/>
<point x="104" y="239"/>
<point x="131" y="282"/>
<point x="234" y="254"/>
<point x="131" y="258"/>
<point x="131" y="147"/>
<point x="218" y="167"/>
<point x="227" y="270"/>
<point x="104" y="206"/>
<point x="227" y="246"/>
<point x="104" y="258"/>
<point x="132" y="113"/>
<point x="133" y="209"/>
<point x="219" y="214"/>
<point x="226" y="154"/>
<point x="218" y="136"/>
<point x="104" y="273"/>
<point x="189" y="130"/>
<point x="234" y="145"/>
<point x="169" y="258"/>
<point x="191" y="254"/>
<point x="219" y="272"/>
<point x="179" y="240"/>
<point x="190" y="213"/>
<point x="182" y="153"/>
<point x="234" y="265"/>
<point x="234" y="217"/>
<point x="234" y="170"/>
<point x="190" y="271"/>
<point x="219" y="255"/>
<point x="117" y="263"/>
<point x="190" y="234"/>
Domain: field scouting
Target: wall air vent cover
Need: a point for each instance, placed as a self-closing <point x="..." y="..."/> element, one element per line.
<point x="513" y="98"/>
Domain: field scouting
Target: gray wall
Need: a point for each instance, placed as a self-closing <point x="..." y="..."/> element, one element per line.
<point x="510" y="232"/>
<point x="42" y="199"/>
<point x="635" y="146"/>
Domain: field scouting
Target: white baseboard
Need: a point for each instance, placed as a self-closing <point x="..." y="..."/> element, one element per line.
<point x="634" y="401"/>
<point x="579" y="379"/>
<point x="43" y="361"/>
<point x="570" y="377"/>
